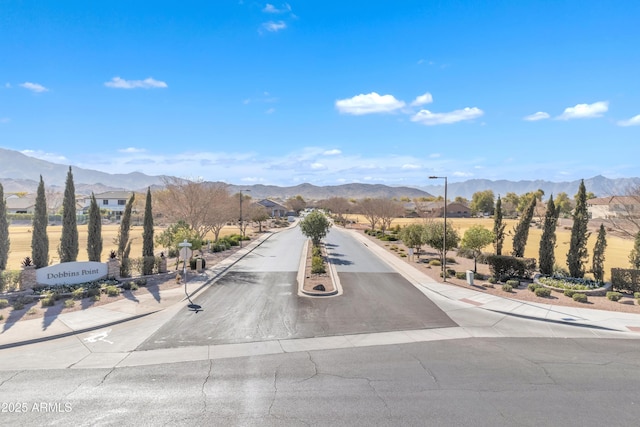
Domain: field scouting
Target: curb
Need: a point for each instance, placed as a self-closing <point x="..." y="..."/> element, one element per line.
<point x="302" y="267"/>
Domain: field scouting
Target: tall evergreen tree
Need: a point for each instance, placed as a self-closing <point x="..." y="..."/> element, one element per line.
<point x="68" y="249"/>
<point x="124" y="245"/>
<point x="546" y="255"/>
<point x="94" y="239"/>
<point x="147" y="237"/>
<point x="4" y="231"/>
<point x="498" y="227"/>
<point x="522" y="229"/>
<point x="597" y="267"/>
<point x="39" y="237"/>
<point x="577" y="255"/>
<point x="634" y="256"/>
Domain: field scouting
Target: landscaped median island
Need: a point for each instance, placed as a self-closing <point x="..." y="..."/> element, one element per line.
<point x="316" y="276"/>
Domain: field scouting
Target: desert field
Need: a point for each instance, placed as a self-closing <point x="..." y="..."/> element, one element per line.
<point x="616" y="254"/>
<point x="20" y="238"/>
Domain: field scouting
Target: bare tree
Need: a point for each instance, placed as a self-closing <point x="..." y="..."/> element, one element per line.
<point x="626" y="219"/>
<point x="205" y="206"/>
<point x="338" y="206"/>
<point x="368" y="208"/>
<point x="258" y="213"/>
<point x="54" y="200"/>
<point x="388" y="210"/>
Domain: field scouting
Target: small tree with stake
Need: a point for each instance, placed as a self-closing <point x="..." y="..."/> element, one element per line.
<point x="598" y="255"/>
<point x="315" y="226"/>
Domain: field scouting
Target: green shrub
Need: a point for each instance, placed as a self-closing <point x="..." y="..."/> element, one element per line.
<point x="479" y="276"/>
<point x="1" y="317"/>
<point x="68" y="303"/>
<point x="513" y="283"/>
<point x="78" y="293"/>
<point x="32" y="311"/>
<point x="112" y="291"/>
<point x="435" y="263"/>
<point x="614" y="296"/>
<point x="134" y="286"/>
<point x="140" y="282"/>
<point x="533" y="286"/>
<point x="507" y="288"/>
<point x="543" y="292"/>
<point x="579" y="297"/>
<point x="316" y="251"/>
<point x="4" y="303"/>
<point x="506" y="267"/>
<point x="92" y="292"/>
<point x="192" y="262"/>
<point x="403" y="255"/>
<point x="317" y="265"/>
<point x="451" y="272"/>
<point x="451" y="261"/>
<point x="48" y="301"/>
<point x="636" y="295"/>
<point x="127" y="285"/>
<point x="461" y="275"/>
<point x="18" y="305"/>
<point x="492" y="280"/>
<point x="96" y="297"/>
<point x="570" y="293"/>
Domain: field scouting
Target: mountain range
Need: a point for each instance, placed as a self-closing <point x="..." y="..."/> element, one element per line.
<point x="21" y="173"/>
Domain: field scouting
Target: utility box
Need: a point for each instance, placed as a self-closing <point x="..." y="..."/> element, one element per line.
<point x="470" y="277"/>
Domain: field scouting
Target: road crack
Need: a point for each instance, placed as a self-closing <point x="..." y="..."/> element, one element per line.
<point x="204" y="384"/>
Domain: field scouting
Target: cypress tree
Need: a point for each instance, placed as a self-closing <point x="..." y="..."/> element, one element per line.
<point x="577" y="255"/>
<point x="94" y="239"/>
<point x="598" y="255"/>
<point x="124" y="245"/>
<point x="634" y="256"/>
<point x="68" y="249"/>
<point x="147" y="236"/>
<point x="4" y="231"/>
<point x="39" y="238"/>
<point x="498" y="227"/>
<point x="522" y="230"/>
<point x="548" y="241"/>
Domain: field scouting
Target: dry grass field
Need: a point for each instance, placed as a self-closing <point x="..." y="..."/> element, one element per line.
<point x="616" y="255"/>
<point x="20" y="241"/>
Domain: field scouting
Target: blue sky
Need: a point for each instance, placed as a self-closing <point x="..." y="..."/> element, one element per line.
<point x="325" y="92"/>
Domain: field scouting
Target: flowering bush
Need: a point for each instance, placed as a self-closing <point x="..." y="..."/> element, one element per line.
<point x="570" y="283"/>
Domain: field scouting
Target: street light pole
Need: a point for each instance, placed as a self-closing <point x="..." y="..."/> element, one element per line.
<point x="241" y="222"/>
<point x="444" y="236"/>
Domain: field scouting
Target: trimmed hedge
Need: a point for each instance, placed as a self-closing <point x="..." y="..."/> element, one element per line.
<point x="508" y="267"/>
<point x="614" y="296"/>
<point x="625" y="279"/>
<point x="579" y="297"/>
<point x="543" y="292"/>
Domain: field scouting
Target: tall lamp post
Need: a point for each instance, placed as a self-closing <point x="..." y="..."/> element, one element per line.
<point x="241" y="222"/>
<point x="444" y="236"/>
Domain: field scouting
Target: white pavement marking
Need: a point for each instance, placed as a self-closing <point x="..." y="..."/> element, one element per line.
<point x="99" y="336"/>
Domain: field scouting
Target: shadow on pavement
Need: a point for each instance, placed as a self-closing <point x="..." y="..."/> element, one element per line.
<point x="51" y="314"/>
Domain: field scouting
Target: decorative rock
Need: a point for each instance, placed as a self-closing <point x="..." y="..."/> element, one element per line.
<point x="319" y="287"/>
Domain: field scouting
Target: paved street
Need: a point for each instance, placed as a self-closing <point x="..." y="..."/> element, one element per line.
<point x="257" y="300"/>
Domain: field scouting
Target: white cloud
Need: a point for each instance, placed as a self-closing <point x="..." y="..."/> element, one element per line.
<point x="273" y="26"/>
<point x="50" y="157"/>
<point x="269" y="8"/>
<point x="428" y="118"/>
<point x="7" y="85"/>
<point x="585" y="111"/>
<point x="633" y="121"/>
<point x="540" y="115"/>
<point x="148" y="83"/>
<point x="435" y="155"/>
<point x="318" y="166"/>
<point x="409" y="166"/>
<point x="5" y="119"/>
<point x="368" y="104"/>
<point x="460" y="174"/>
<point x="34" y="87"/>
<point x="270" y="111"/>
<point x="333" y="152"/>
<point x="422" y="100"/>
<point x="132" y="150"/>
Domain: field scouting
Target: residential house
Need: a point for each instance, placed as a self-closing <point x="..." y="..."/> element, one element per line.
<point x="21" y="205"/>
<point x="614" y="207"/>
<point x="436" y="209"/>
<point x="275" y="209"/>
<point x="113" y="201"/>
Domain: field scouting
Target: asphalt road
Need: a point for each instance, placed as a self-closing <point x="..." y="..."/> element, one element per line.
<point x="257" y="300"/>
<point x="467" y="382"/>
